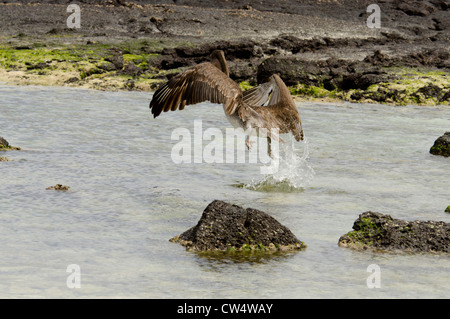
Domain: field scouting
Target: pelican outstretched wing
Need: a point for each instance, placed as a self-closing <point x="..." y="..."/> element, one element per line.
<point x="258" y="95"/>
<point x="204" y="82"/>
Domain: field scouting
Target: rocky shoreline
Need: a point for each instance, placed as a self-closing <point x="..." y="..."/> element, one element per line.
<point x="322" y="51"/>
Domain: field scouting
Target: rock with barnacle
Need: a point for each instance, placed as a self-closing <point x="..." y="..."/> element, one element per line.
<point x="227" y="227"/>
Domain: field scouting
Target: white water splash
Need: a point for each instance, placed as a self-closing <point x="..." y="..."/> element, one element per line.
<point x="293" y="172"/>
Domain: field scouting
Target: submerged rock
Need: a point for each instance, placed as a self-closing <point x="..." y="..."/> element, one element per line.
<point x="382" y="232"/>
<point x="227" y="227"/>
<point x="441" y="146"/>
<point x="59" y="187"/>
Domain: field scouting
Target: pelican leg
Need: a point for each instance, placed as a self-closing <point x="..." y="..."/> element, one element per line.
<point x="248" y="142"/>
<point x="269" y="146"/>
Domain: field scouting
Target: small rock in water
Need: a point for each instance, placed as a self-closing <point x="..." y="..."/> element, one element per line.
<point x="442" y="146"/>
<point x="4" y="159"/>
<point x="447" y="210"/>
<point x="4" y="145"/>
<point x="382" y="232"/>
<point x="227" y="227"/>
<point x="59" y="187"/>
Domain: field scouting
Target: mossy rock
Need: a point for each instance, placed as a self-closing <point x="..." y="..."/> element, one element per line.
<point x="442" y="146"/>
<point x="447" y="210"/>
<point x="376" y="231"/>
<point x="4" y="145"/>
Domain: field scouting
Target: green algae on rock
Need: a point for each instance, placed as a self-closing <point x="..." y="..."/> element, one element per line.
<point x="93" y="65"/>
<point x="377" y="232"/>
<point x="4" y="146"/>
<point x="441" y="146"/>
<point x="147" y="62"/>
<point x="231" y="228"/>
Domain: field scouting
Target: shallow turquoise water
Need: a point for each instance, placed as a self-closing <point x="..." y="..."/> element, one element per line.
<point x="128" y="198"/>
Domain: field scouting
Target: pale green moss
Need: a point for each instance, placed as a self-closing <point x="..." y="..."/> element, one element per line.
<point x="245" y="85"/>
<point x="310" y="90"/>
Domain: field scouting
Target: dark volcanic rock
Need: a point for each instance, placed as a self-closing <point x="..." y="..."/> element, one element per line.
<point x="227" y="227"/>
<point x="292" y="70"/>
<point x="131" y="69"/>
<point x="427" y="57"/>
<point x="4" y="145"/>
<point x="37" y="66"/>
<point x="431" y="91"/>
<point x="360" y="81"/>
<point x="187" y="55"/>
<point x="116" y="59"/>
<point x="434" y="57"/>
<point x="382" y="232"/>
<point x="446" y="97"/>
<point x="441" y="146"/>
<point x="243" y="57"/>
<point x="377" y="58"/>
<point x="331" y="74"/>
<point x="417" y="8"/>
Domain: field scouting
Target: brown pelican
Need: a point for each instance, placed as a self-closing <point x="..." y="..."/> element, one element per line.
<point x="266" y="106"/>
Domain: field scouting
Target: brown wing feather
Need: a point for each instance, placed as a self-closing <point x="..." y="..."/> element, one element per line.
<point x="259" y="95"/>
<point x="204" y="82"/>
<point x="281" y="111"/>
